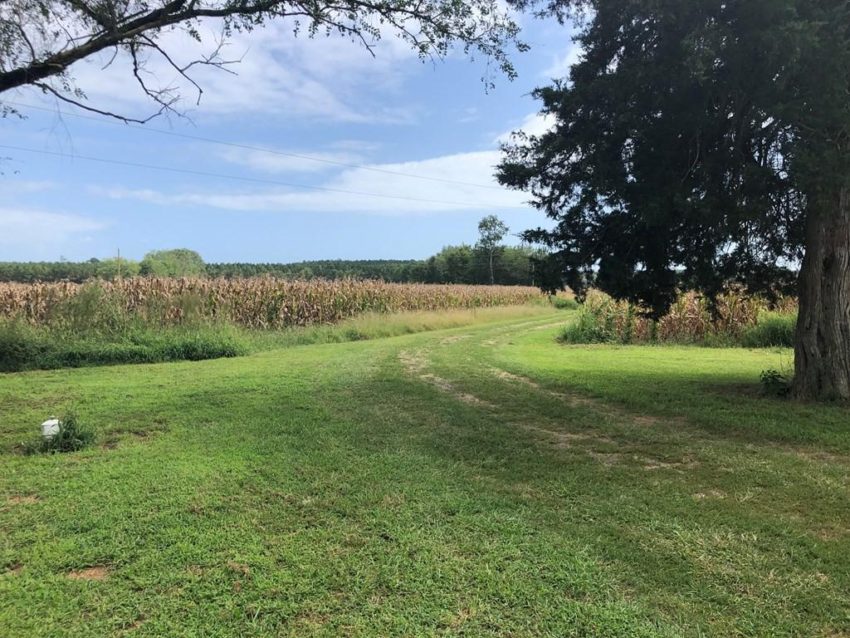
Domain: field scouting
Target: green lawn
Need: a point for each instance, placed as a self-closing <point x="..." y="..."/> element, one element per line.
<point x="478" y="481"/>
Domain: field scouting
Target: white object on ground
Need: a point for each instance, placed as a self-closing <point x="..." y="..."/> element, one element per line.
<point x="50" y="428"/>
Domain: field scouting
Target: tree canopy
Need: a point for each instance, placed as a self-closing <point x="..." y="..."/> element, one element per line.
<point x="40" y="40"/>
<point x="462" y="264"/>
<point x="491" y="231"/>
<point x="177" y="262"/>
<point x="698" y="143"/>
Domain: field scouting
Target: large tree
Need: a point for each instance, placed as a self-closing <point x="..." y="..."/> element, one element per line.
<point x="698" y="143"/>
<point x="41" y="40"/>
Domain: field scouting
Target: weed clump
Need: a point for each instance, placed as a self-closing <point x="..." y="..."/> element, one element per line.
<point x="71" y="437"/>
<point x="774" y="383"/>
<point x="563" y="303"/>
<point x="772" y="330"/>
<point x="734" y="320"/>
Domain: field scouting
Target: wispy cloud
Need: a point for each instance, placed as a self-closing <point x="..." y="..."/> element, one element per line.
<point x="532" y="124"/>
<point x="36" y="229"/>
<point x="365" y="191"/>
<point x="289" y="160"/>
<point x="10" y="186"/>
<point x="323" y="78"/>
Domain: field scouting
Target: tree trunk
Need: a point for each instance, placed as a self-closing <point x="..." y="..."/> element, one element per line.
<point x="822" y="341"/>
<point x="492" y="275"/>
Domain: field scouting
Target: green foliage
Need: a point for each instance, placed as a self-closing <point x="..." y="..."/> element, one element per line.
<point x="72" y="437"/>
<point x="774" y="329"/>
<point x="178" y="262"/>
<point x="774" y="383"/>
<point x="93" y="327"/>
<point x="461" y="264"/>
<point x="387" y="269"/>
<point x="491" y="231"/>
<point x="734" y="320"/>
<point x="595" y="324"/>
<point x="20" y="344"/>
<point x="564" y="303"/>
<point x="77" y="272"/>
<point x="114" y="267"/>
<point x="25" y="347"/>
<point x="689" y="141"/>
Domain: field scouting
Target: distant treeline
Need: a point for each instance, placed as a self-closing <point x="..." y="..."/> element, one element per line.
<point x="454" y="264"/>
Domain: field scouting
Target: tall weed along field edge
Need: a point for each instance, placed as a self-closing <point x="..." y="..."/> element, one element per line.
<point x="264" y="303"/>
<point x="735" y="319"/>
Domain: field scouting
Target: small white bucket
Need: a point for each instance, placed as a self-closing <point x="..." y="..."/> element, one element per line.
<point x="50" y="428"/>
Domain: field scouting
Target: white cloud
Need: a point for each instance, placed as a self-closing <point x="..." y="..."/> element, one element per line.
<point x="401" y="194"/>
<point x="324" y="78"/>
<point x="280" y="161"/>
<point x="11" y="187"/>
<point x="532" y="124"/>
<point x="20" y="227"/>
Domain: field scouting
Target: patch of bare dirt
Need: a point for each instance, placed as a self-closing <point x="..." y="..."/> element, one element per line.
<point x="393" y="500"/>
<point x="568" y="439"/>
<point x="14" y="569"/>
<point x="22" y="499"/>
<point x="832" y="533"/>
<point x="238" y="567"/>
<point x="574" y="399"/>
<point x="717" y="495"/>
<point x="136" y="624"/>
<point x="658" y="464"/>
<point x="446" y="386"/>
<point x="415" y="364"/>
<point x="605" y="458"/>
<point x="546" y="326"/>
<point x="822" y="456"/>
<point x="510" y="376"/>
<point x="90" y="573"/>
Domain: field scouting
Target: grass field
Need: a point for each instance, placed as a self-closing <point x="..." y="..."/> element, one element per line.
<point x="476" y="481"/>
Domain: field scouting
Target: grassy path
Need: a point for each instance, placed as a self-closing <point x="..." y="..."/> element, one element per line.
<point x="475" y="481"/>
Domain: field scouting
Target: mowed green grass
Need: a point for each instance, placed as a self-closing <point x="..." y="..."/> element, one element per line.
<point x="479" y="481"/>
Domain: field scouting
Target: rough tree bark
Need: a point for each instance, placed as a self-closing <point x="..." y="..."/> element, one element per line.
<point x="822" y="341"/>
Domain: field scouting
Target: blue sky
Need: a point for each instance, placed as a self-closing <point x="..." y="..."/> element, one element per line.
<point x="324" y="98"/>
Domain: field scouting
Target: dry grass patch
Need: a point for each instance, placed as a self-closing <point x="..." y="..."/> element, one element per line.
<point x="22" y="499"/>
<point x="98" y="572"/>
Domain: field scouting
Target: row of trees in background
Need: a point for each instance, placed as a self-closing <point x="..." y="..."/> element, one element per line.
<point x="179" y="262"/>
<point x="462" y="264"/>
<point x="487" y="262"/>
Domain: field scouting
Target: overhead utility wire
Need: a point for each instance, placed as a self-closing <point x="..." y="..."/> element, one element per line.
<point x="248" y="147"/>
<point x="260" y="180"/>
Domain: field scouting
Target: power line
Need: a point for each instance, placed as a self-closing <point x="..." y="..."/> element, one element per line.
<point x="210" y="140"/>
<point x="259" y="180"/>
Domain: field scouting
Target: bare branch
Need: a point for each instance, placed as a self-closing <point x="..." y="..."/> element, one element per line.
<point x="71" y="30"/>
<point x="128" y="120"/>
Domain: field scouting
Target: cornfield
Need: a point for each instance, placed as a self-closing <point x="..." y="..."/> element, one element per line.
<point x="690" y="319"/>
<point x="265" y="303"/>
